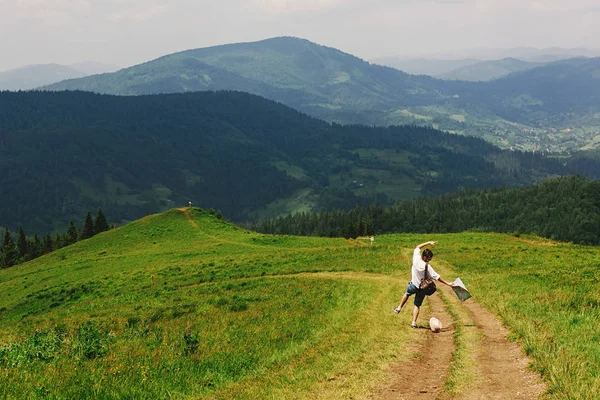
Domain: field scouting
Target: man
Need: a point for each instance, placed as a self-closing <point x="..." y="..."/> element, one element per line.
<point x="420" y="261"/>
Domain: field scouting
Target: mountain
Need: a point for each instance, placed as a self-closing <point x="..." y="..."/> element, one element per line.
<point x="525" y="53"/>
<point x="339" y="87"/>
<point x="94" y="67"/>
<point x="468" y="69"/>
<point x="64" y="153"/>
<point x="33" y="76"/>
<point x="566" y="90"/>
<point x="549" y="54"/>
<point x="488" y="70"/>
<point x="294" y="71"/>
<point x="425" y="66"/>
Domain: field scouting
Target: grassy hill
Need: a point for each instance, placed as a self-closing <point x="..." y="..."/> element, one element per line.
<point x="184" y="305"/>
<point x="520" y="111"/>
<point x="68" y="152"/>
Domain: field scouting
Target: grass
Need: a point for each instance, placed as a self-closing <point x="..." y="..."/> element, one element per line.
<point x="547" y="294"/>
<point x="462" y="372"/>
<point x="184" y="305"/>
<point x="187" y="305"/>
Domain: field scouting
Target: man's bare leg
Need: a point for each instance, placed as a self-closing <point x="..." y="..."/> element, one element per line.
<point x="415" y="316"/>
<point x="404" y="299"/>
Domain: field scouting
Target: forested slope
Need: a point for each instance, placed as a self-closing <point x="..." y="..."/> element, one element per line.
<point x="64" y="153"/>
<point x="566" y="208"/>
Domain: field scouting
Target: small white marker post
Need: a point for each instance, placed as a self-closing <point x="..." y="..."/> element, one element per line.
<point x="371" y="239"/>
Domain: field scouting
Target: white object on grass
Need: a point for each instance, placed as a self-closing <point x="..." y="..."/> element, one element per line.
<point x="435" y="324"/>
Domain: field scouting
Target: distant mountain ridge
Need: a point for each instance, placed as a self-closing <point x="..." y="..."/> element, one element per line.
<point x="489" y="70"/>
<point x="425" y="66"/>
<point x="469" y="69"/>
<point x="33" y="76"/>
<point x="332" y="85"/>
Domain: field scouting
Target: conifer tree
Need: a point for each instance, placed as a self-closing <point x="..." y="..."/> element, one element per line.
<point x="88" y="227"/>
<point x="35" y="246"/>
<point x="72" y="233"/>
<point x="22" y="243"/>
<point x="60" y="241"/>
<point x="10" y="253"/>
<point x="48" y="244"/>
<point x="100" y="224"/>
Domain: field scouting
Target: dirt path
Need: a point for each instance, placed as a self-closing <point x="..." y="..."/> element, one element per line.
<point x="410" y="371"/>
<point x="500" y="368"/>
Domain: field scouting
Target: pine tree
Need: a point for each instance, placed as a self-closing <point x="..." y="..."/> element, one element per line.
<point x="48" y="244"/>
<point x="72" y="233"/>
<point x="22" y="243"/>
<point x="60" y="241"/>
<point x="35" y="246"/>
<point x="88" y="227"/>
<point x="100" y="224"/>
<point x="10" y="253"/>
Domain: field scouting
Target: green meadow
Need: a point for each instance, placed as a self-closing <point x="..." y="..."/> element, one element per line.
<point x="184" y="305"/>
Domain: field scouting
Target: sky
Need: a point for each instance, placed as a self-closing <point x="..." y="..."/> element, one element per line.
<point x="128" y="32"/>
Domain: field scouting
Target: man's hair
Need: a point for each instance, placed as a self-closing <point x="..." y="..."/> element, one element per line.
<point x="427" y="253"/>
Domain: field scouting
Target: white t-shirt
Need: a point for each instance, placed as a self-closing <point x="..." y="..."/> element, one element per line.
<point x="418" y="269"/>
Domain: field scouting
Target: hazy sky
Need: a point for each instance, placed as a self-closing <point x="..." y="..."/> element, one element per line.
<point x="127" y="32"/>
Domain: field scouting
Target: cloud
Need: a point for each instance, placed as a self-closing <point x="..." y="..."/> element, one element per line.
<point x="143" y="12"/>
<point x="292" y="6"/>
<point x="49" y="13"/>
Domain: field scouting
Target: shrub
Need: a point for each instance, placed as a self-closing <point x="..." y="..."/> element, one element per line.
<point x="43" y="345"/>
<point x="191" y="341"/>
<point x="91" y="341"/>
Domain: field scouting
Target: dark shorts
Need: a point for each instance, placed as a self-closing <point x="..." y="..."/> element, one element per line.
<point x="419" y="294"/>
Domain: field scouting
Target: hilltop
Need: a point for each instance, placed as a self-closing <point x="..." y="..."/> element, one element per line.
<point x="528" y="109"/>
<point x="182" y="302"/>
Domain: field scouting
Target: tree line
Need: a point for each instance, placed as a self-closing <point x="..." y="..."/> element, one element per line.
<point x="565" y="209"/>
<point x="26" y="248"/>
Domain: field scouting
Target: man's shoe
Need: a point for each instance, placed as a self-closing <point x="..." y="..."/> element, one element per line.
<point x="413" y="325"/>
<point x="397" y="310"/>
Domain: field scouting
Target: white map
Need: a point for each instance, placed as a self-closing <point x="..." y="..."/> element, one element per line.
<point x="461" y="290"/>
